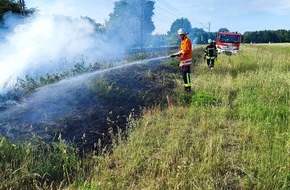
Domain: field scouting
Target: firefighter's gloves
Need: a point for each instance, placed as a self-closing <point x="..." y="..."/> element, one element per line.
<point x="176" y="54"/>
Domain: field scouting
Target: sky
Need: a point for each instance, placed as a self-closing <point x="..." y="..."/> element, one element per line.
<point x="211" y="15"/>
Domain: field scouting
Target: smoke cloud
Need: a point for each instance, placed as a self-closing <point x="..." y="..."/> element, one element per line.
<point x="42" y="44"/>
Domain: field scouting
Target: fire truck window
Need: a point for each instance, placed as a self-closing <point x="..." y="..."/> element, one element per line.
<point x="229" y="39"/>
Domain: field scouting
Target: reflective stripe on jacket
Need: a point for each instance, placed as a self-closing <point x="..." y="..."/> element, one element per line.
<point x="186" y="52"/>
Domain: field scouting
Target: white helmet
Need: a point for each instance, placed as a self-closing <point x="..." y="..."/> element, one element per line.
<point x="181" y="31"/>
<point x="209" y="41"/>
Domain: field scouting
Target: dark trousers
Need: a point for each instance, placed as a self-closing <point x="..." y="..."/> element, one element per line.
<point x="210" y="63"/>
<point x="185" y="70"/>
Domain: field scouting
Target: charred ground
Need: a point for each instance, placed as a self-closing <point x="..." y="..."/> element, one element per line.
<point x="84" y="109"/>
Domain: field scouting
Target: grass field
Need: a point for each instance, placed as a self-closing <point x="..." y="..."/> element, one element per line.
<point x="232" y="132"/>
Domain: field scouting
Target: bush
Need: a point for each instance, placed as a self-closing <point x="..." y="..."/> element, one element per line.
<point x="204" y="99"/>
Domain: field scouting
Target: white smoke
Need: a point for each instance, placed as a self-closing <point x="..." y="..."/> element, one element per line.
<point x="43" y="44"/>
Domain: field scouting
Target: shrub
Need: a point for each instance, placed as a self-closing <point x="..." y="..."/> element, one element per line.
<point x="202" y="98"/>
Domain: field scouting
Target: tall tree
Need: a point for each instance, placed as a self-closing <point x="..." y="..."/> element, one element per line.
<point x="17" y="7"/>
<point x="223" y="30"/>
<point x="178" y="23"/>
<point x="131" y="22"/>
<point x="200" y="35"/>
<point x="8" y="5"/>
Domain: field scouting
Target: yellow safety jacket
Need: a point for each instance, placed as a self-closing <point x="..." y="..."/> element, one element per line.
<point x="186" y="52"/>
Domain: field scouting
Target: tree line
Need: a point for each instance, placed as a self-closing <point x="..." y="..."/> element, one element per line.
<point x="267" y="36"/>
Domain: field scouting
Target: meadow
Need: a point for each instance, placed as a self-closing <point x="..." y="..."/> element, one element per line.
<point x="231" y="132"/>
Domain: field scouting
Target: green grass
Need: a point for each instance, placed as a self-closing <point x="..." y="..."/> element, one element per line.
<point x="232" y="132"/>
<point x="38" y="165"/>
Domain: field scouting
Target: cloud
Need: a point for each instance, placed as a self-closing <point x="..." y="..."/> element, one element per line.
<point x="278" y="7"/>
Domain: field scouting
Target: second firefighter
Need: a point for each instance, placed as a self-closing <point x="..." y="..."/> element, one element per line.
<point x="210" y="54"/>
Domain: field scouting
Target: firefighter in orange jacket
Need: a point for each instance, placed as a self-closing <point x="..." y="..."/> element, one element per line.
<point x="185" y="55"/>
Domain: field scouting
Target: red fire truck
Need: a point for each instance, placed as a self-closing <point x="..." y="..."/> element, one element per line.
<point x="228" y="42"/>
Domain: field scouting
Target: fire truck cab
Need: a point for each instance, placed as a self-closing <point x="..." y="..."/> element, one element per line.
<point x="228" y="42"/>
